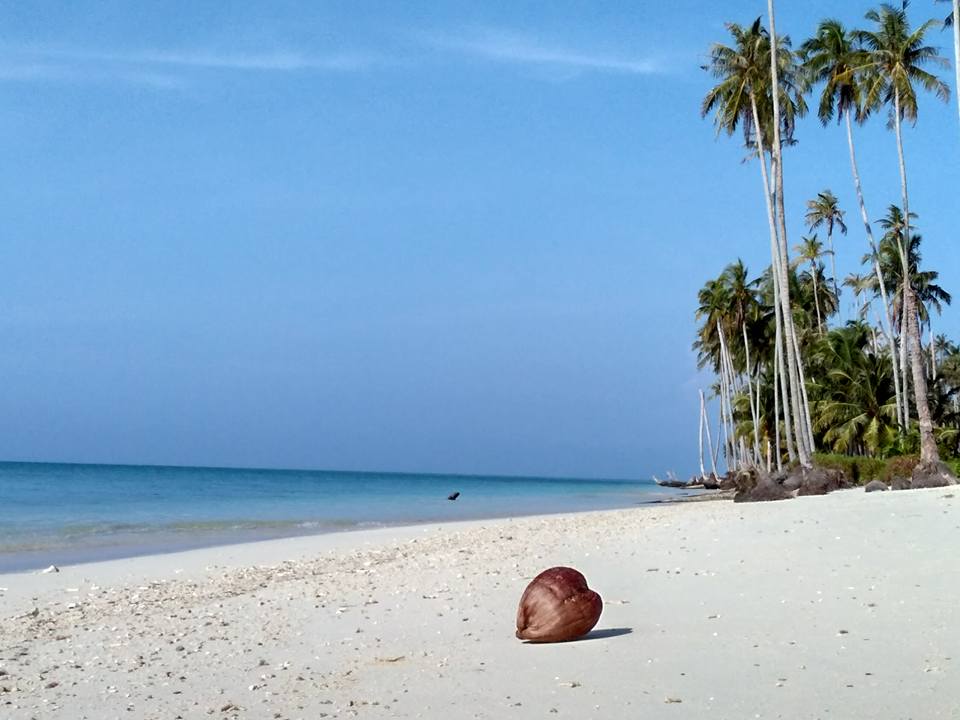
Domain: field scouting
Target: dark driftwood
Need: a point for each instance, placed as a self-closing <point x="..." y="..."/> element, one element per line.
<point x="710" y="482"/>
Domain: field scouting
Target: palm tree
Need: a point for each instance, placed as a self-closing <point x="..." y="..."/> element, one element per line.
<point x="726" y="305"/>
<point x="892" y="58"/>
<point x="825" y="210"/>
<point x="860" y="284"/>
<point x="925" y="290"/>
<point x="742" y="69"/>
<point x="713" y="304"/>
<point x="810" y="251"/>
<point x="831" y="58"/>
<point x="888" y="254"/>
<point x="855" y="408"/>
<point x="814" y="290"/>
<point x="790" y="76"/>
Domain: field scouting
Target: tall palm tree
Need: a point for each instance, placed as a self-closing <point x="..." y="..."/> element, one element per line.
<point x="831" y="58"/>
<point x="893" y="57"/>
<point x="824" y="210"/>
<point x="744" y="86"/>
<point x="800" y="405"/>
<point x="726" y="304"/>
<point x="927" y="293"/>
<point x="860" y="285"/>
<point x="889" y="253"/>
<point x="815" y="291"/>
<point x="810" y="251"/>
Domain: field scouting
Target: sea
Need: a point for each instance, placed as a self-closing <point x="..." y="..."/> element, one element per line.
<point x="61" y="514"/>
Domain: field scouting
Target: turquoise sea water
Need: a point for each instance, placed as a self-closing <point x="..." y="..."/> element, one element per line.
<point x="62" y="514"/>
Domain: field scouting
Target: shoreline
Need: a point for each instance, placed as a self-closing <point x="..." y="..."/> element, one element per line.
<point x="165" y="542"/>
<point x="826" y="605"/>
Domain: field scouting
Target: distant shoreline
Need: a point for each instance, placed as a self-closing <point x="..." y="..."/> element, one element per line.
<point x="67" y="514"/>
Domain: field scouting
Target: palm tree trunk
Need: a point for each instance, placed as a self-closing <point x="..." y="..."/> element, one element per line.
<point x="754" y="414"/>
<point x="801" y="422"/>
<point x="706" y="424"/>
<point x="928" y="444"/>
<point x="775" y="276"/>
<point x="901" y="417"/>
<point x="933" y="352"/>
<point x="905" y="344"/>
<point x="816" y="297"/>
<point x="789" y="329"/>
<point x="729" y="429"/>
<point x="833" y="265"/>
<point x="776" y="397"/>
<point x="703" y="470"/>
<point x="804" y="401"/>
<point x="956" y="47"/>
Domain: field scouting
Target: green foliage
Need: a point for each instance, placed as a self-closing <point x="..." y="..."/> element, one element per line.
<point x="743" y="71"/>
<point x="891" y="58"/>
<point x="852" y="396"/>
<point x="858" y="470"/>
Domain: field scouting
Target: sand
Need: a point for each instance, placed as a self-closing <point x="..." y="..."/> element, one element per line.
<point x="841" y="606"/>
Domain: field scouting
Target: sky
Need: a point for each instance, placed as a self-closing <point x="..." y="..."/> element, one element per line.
<point x="425" y="237"/>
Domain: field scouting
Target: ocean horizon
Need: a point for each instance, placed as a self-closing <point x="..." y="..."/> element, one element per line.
<point x="66" y="513"/>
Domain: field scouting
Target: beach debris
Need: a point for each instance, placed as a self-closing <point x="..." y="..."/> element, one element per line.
<point x="755" y="486"/>
<point x="820" y="481"/>
<point x="51" y="569"/>
<point x="453" y="496"/>
<point x="557" y="606"/>
<point x="672" y="700"/>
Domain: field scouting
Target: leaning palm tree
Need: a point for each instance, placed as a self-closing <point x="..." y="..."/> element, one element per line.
<point x="744" y="87"/>
<point x="831" y="58"/>
<point x="810" y="251"/>
<point x="892" y="58"/>
<point x="825" y="210"/>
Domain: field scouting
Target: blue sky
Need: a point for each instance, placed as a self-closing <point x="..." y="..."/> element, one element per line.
<point x="391" y="236"/>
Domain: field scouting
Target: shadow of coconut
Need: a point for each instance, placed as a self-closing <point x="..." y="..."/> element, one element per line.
<point x="592" y="635"/>
<point x="606" y="633"/>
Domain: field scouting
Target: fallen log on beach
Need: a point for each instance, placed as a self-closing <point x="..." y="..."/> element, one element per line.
<point x="672" y="483"/>
<point x="710" y="482"/>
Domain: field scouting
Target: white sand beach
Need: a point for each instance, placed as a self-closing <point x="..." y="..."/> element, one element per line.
<point x="841" y="606"/>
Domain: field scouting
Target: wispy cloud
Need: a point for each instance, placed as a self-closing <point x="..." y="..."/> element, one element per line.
<point x="174" y="68"/>
<point x="509" y="47"/>
<point x="158" y="68"/>
<point x="276" y="61"/>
